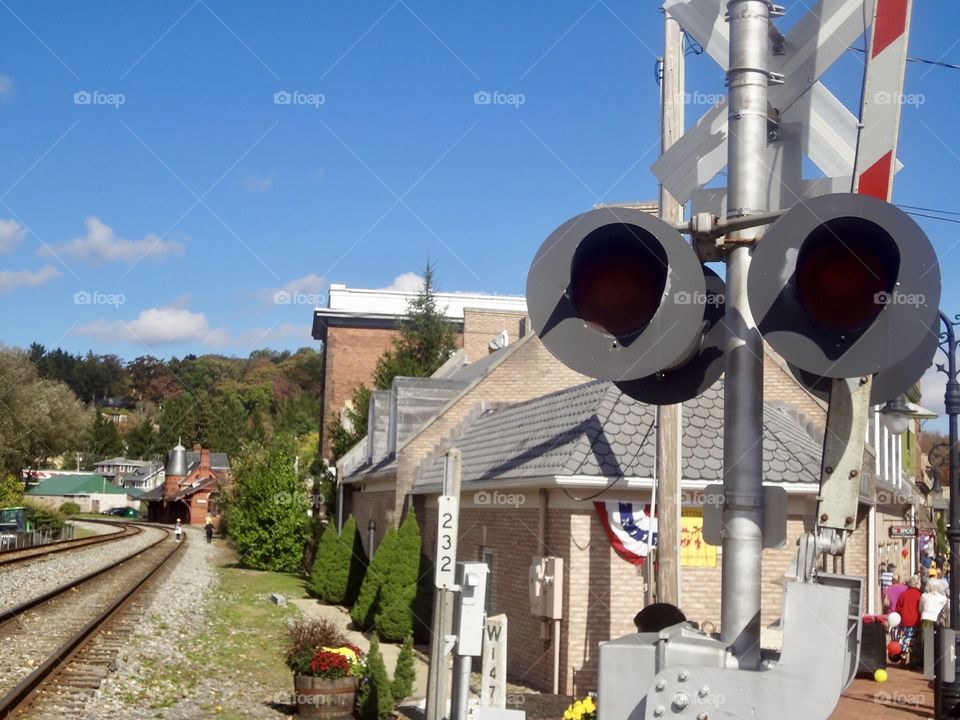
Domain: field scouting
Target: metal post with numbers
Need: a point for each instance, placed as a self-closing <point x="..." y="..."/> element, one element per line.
<point x="448" y="517"/>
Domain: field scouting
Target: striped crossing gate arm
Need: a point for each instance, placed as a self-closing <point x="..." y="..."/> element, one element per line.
<point x="883" y="98"/>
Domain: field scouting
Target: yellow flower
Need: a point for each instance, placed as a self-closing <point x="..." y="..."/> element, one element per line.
<point x="589" y="705"/>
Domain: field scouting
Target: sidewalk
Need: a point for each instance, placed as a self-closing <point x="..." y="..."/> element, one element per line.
<point x="904" y="695"/>
<point x="314" y="609"/>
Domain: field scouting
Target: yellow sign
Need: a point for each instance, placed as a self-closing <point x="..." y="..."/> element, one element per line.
<point x="694" y="551"/>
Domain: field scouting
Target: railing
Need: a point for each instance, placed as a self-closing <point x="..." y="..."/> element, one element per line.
<point x="30" y="538"/>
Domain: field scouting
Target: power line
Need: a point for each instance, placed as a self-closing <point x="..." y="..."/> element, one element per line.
<point x="922" y="61"/>
<point x="933" y="217"/>
<point x="932" y="210"/>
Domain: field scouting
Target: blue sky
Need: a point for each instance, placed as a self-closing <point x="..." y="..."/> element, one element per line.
<point x="156" y="191"/>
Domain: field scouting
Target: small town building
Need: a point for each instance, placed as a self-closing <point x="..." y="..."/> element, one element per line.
<point x="191" y="487"/>
<point x="557" y="465"/>
<point x="92" y="492"/>
<point x="359" y="325"/>
<point x="138" y="474"/>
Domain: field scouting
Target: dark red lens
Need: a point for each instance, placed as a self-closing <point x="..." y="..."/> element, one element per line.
<point x="845" y="272"/>
<point x="617" y="278"/>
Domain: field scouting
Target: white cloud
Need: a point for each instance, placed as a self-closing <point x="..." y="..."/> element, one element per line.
<point x="13" y="279"/>
<point x="153" y="326"/>
<point x="409" y="281"/>
<point x="176" y="324"/>
<point x="307" y="290"/>
<point x="257" y="183"/>
<point x="101" y="245"/>
<point x="6" y="86"/>
<point x="11" y="232"/>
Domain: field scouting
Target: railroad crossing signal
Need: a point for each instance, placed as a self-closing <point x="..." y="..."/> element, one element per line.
<point x="844" y="286"/>
<point x="618" y="294"/>
<point x="806" y="117"/>
<point x="841" y="286"/>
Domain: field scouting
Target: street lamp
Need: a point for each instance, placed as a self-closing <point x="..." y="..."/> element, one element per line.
<point x="947" y="694"/>
<point x="896" y="416"/>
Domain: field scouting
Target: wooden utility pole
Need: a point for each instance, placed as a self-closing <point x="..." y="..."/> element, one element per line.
<point x="667" y="583"/>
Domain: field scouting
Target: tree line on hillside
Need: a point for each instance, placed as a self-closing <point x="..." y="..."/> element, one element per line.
<point x="56" y="404"/>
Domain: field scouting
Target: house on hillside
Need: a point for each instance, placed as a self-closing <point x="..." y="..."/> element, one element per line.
<point x="138" y="474"/>
<point x="191" y="487"/>
<point x="555" y="464"/>
<point x="92" y="492"/>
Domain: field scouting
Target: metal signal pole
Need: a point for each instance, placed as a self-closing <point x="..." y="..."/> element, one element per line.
<point x="747" y="79"/>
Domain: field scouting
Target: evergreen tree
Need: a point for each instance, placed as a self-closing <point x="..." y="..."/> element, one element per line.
<point x="339" y="565"/>
<point x="375" y="700"/>
<point x="426" y="339"/>
<point x="394" y="617"/>
<point x="267" y="509"/>
<point x="104" y="440"/>
<point x="142" y="442"/>
<point x="368" y="601"/>
<point x="323" y="563"/>
<point x="404" y="675"/>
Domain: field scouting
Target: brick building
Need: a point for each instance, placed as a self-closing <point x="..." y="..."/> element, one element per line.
<point x="358" y="325"/>
<point x="191" y="487"/>
<point x="548" y="440"/>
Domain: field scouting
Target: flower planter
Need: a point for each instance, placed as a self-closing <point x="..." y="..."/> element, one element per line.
<point x="322" y="698"/>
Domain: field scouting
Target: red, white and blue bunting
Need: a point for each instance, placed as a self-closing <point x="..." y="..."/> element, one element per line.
<point x="628" y="526"/>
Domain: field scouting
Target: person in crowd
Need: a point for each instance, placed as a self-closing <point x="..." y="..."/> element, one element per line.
<point x="892" y="594"/>
<point x="886" y="576"/>
<point x="178" y="531"/>
<point x="908" y="607"/>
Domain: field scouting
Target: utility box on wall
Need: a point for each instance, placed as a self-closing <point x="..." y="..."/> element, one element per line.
<point x="546" y="587"/>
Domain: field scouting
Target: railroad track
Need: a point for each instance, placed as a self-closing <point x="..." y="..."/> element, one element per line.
<point x="11" y="558"/>
<point x="59" y="646"/>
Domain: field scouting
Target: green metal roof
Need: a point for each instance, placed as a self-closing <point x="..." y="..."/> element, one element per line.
<point x="76" y="485"/>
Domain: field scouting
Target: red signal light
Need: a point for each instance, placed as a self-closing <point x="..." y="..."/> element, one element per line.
<point x="846" y="269"/>
<point x="617" y="278"/>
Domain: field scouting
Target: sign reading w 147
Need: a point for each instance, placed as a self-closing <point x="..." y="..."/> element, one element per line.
<point x="448" y="515"/>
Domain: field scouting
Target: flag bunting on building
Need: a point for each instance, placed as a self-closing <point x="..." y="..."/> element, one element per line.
<point x="628" y="526"/>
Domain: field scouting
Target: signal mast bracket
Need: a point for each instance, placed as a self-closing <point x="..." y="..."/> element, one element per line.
<point x="840" y="470"/>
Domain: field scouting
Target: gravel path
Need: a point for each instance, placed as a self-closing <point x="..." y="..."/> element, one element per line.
<point x="156" y="677"/>
<point x="19" y="584"/>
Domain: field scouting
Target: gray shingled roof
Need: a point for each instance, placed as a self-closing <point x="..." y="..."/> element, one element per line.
<point x="593" y="429"/>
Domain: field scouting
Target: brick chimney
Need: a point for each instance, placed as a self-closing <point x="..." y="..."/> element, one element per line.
<point x="205" y="461"/>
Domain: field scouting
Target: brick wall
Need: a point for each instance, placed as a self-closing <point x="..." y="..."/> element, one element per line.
<point x="778" y="384"/>
<point x="350" y="355"/>
<point x="481" y="325"/>
<point x="377" y="506"/>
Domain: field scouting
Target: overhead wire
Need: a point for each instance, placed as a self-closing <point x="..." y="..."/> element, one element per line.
<point x="922" y="61"/>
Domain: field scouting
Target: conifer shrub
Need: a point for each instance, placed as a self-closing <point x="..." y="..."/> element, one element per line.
<point x="338" y="568"/>
<point x="394" y="618"/>
<point x="369" y="597"/>
<point x="404" y="675"/>
<point x="374" y="699"/>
